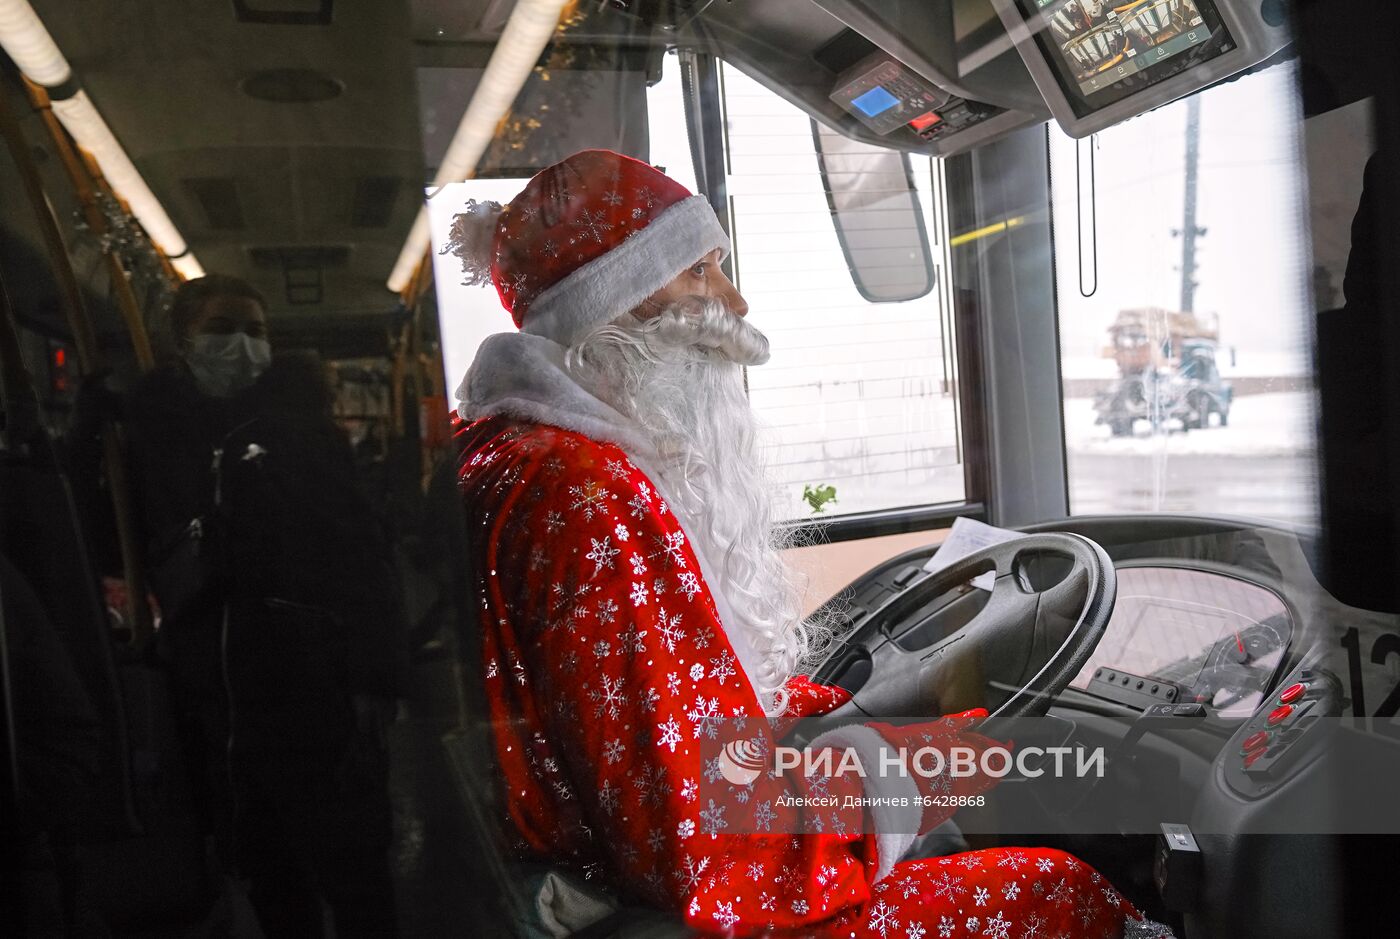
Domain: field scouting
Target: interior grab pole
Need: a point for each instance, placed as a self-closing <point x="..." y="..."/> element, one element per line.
<point x="83" y="185"/>
<point x="89" y="362"/>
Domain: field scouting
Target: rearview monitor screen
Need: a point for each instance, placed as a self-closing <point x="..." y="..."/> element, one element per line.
<point x="1103" y="51"/>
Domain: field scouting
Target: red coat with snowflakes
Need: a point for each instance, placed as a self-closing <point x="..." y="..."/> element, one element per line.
<point x="606" y="665"/>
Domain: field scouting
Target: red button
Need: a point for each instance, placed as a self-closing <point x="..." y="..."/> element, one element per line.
<point x="925" y="121"/>
<point x="1253" y="758"/>
<point x="1293" y="693"/>
<point x="1255" y="741"/>
<point x="1280" y="714"/>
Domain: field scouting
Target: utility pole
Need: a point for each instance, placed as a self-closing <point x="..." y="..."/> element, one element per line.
<point x="1189" y="231"/>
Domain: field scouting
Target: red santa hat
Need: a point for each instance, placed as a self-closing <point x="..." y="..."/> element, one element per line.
<point x="585" y="241"/>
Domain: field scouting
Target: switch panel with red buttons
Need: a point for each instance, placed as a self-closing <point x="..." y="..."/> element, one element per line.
<point x="1274" y="739"/>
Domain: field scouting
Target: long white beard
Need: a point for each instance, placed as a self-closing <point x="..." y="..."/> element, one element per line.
<point x="679" y="376"/>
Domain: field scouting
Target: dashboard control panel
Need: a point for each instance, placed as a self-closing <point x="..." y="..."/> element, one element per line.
<point x="1271" y="742"/>
<point x="1133" y="690"/>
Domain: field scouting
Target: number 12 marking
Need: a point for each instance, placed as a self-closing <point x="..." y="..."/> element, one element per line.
<point x="1386" y="645"/>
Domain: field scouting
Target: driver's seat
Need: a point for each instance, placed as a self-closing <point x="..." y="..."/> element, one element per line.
<point x="530" y="900"/>
<point x="537" y="900"/>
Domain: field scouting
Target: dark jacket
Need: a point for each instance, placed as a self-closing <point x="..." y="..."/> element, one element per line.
<point x="299" y="560"/>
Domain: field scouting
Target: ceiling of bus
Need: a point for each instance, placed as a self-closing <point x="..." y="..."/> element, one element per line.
<point x="286" y="138"/>
<point x="255" y="179"/>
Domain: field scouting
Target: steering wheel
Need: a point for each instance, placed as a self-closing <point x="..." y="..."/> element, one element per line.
<point x="921" y="655"/>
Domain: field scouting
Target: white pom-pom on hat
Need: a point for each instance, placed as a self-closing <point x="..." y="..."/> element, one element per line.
<point x="472" y="240"/>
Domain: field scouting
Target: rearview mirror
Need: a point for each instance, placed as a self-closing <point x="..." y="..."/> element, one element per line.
<point x="878" y="218"/>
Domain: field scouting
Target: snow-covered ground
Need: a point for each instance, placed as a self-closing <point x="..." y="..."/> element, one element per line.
<point x="1244" y="364"/>
<point x="1262" y="465"/>
<point x="1260" y="425"/>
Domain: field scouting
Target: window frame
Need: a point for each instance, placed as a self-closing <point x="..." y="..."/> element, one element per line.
<point x="965" y="378"/>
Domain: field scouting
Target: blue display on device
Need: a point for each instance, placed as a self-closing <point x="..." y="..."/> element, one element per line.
<point x="875" y="101"/>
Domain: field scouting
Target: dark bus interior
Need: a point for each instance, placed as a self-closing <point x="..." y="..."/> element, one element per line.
<point x="290" y="143"/>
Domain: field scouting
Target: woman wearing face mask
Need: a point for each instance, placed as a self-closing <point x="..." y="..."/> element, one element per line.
<point x="279" y="612"/>
<point x="223" y="339"/>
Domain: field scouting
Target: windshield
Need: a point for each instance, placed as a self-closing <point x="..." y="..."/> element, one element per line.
<point x="1185" y="334"/>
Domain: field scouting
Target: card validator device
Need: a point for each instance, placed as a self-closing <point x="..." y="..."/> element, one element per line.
<point x="884" y="95"/>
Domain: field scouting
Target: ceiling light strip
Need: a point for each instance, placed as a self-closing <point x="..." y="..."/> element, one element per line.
<point x="24" y="39"/>
<point x="92" y="134"/>
<point x="28" y="43"/>
<point x="527" y="32"/>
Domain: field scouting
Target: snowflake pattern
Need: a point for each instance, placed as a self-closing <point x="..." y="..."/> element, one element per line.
<point x="670" y="734"/>
<point x="651" y="785"/>
<point x="602" y="555"/>
<point x="724" y="915"/>
<point x="1013" y="860"/>
<point x="948" y="887"/>
<point x="882" y="918"/>
<point x="633" y="639"/>
<point x="609" y="699"/>
<point x="594" y="225"/>
<point x="712" y="819"/>
<point x="998" y="927"/>
<point x="589" y="498"/>
<point x="538" y="559"/>
<point x="607" y="797"/>
<point x="689" y="584"/>
<point x="722" y="667"/>
<point x="692" y="869"/>
<point x="706" y="717"/>
<point x="668" y="550"/>
<point x="670" y="630"/>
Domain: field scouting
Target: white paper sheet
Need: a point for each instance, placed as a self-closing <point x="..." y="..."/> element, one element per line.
<point x="969" y="535"/>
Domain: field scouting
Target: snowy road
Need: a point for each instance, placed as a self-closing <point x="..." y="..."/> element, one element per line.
<point x="1263" y="464"/>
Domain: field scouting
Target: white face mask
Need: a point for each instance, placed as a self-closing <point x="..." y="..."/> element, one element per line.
<point x="225" y="364"/>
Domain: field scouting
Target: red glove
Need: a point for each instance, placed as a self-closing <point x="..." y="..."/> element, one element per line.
<point x="942" y="791"/>
<point x="807" y="698"/>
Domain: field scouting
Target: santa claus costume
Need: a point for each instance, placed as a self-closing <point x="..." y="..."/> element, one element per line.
<point x="630" y="597"/>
